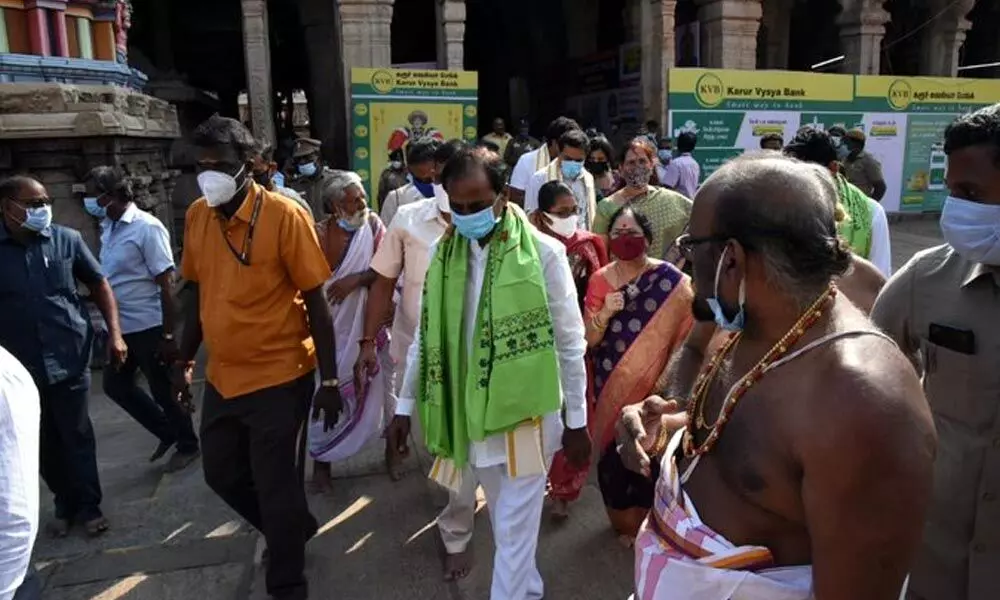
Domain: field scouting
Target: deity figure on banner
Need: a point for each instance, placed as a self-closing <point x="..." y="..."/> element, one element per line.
<point x="402" y="136"/>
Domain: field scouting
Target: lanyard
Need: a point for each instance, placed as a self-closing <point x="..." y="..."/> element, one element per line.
<point x="244" y="254"/>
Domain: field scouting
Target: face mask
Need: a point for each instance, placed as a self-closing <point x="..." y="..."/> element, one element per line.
<point x="664" y="155"/>
<point x="571" y="168"/>
<point x="564" y="226"/>
<point x="351" y="224"/>
<point x="477" y="225"/>
<point x="278" y="179"/>
<point x="972" y="229"/>
<point x="736" y="324"/>
<point x="37" y="219"/>
<point x="597" y="168"/>
<point x="307" y="169"/>
<point x="396" y="165"/>
<point x="637" y="177"/>
<point x="843" y="151"/>
<point x="218" y="187"/>
<point x="426" y="188"/>
<point x="96" y="210"/>
<point x="442" y="198"/>
<point x="629" y="247"/>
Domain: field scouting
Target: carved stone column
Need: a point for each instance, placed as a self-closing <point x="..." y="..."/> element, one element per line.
<point x="657" y="56"/>
<point x="367" y="33"/>
<point x="257" y="50"/>
<point x="730" y="30"/>
<point x="944" y="37"/>
<point x="862" y="27"/>
<point x="776" y="21"/>
<point x="450" y="34"/>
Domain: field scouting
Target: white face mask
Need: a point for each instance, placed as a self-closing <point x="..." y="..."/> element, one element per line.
<point x="972" y="229"/>
<point x="218" y="187"/>
<point x="564" y="226"/>
<point x="442" y="198"/>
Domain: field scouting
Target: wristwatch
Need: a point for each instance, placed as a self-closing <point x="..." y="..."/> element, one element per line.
<point x="330" y="383"/>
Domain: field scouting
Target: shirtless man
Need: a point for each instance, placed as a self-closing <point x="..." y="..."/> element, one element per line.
<point x="824" y="469"/>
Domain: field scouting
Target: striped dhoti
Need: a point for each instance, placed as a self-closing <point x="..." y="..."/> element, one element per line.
<point x="678" y="557"/>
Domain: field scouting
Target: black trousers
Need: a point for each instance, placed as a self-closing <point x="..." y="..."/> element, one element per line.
<point x="249" y="455"/>
<point x="162" y="417"/>
<point x="68" y="450"/>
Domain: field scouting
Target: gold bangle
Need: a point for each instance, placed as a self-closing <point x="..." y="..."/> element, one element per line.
<point x="662" y="439"/>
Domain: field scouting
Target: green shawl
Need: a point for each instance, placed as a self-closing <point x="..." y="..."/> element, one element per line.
<point x="511" y="373"/>
<point x="857" y="227"/>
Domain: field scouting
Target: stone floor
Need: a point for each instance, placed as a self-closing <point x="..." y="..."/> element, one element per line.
<point x="172" y="539"/>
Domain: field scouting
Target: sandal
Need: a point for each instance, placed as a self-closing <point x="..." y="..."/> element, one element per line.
<point x="58" y="528"/>
<point x="96" y="527"/>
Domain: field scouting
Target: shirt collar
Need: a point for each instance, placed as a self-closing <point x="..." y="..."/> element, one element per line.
<point x="130" y="213"/>
<point x="978" y="270"/>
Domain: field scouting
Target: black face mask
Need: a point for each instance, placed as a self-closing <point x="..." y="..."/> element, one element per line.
<point x="597" y="168"/>
<point x="701" y="311"/>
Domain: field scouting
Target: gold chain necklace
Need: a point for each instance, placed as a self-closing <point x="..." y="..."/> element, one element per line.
<point x="696" y="408"/>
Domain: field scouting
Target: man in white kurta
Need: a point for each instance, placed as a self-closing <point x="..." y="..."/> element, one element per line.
<point x="515" y="500"/>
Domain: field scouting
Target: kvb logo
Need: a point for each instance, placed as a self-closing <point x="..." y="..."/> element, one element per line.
<point x="900" y="95"/>
<point x="709" y="91"/>
<point x="383" y="81"/>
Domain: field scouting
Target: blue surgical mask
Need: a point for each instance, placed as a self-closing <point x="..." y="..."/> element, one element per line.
<point x="571" y="169"/>
<point x="737" y="322"/>
<point x="477" y="225"/>
<point x="396" y="165"/>
<point x="665" y="155"/>
<point x="972" y="229"/>
<point x="426" y="189"/>
<point x="307" y="169"/>
<point x="278" y="179"/>
<point x="843" y="151"/>
<point x="92" y="206"/>
<point x="353" y="222"/>
<point x="37" y="219"/>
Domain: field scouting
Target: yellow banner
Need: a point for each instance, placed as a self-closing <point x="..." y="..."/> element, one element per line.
<point x="901" y="92"/>
<point x="711" y="87"/>
<point x="386" y="81"/>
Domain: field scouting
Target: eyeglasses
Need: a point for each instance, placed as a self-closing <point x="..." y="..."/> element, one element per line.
<point x="686" y="244"/>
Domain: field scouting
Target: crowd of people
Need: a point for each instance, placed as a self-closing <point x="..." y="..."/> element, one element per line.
<point x="544" y="308"/>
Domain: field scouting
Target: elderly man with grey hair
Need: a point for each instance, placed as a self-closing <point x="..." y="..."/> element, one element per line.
<point x="783" y="467"/>
<point x="349" y="236"/>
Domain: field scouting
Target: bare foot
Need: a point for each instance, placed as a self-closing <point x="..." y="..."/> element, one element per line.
<point x="58" y="528"/>
<point x="96" y="527"/>
<point x="322" y="481"/>
<point x="560" y="510"/>
<point x="393" y="464"/>
<point x="457" y="566"/>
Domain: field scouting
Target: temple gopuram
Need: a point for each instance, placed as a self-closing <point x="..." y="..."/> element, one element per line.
<point x="69" y="102"/>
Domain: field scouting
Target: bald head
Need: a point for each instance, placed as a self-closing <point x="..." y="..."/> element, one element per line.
<point x="780" y="209"/>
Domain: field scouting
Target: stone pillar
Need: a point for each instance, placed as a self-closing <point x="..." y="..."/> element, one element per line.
<point x="729" y="30"/>
<point x="657" y="56"/>
<point x="777" y="22"/>
<point x="450" y="34"/>
<point x="862" y="27"/>
<point x="61" y="43"/>
<point x="944" y="37"/>
<point x="366" y="27"/>
<point x="257" y="50"/>
<point x="38" y="32"/>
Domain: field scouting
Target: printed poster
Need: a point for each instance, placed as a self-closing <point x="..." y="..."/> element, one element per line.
<point x="903" y="118"/>
<point x="390" y="108"/>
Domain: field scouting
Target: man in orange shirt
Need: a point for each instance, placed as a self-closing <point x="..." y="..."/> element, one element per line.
<point x="256" y="263"/>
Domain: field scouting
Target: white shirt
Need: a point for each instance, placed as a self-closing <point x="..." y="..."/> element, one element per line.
<point x="567" y="329"/>
<point x="578" y="186"/>
<point x="406" y="250"/>
<point x="20" y="416"/>
<point x="398" y="198"/>
<point x="134" y="251"/>
<point x="520" y="177"/>
<point x="682" y="175"/>
<point x="881" y="250"/>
